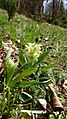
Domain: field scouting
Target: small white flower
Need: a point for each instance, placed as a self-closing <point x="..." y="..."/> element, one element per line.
<point x="45" y="39"/>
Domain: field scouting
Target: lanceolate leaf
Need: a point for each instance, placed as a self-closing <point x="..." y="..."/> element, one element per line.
<point x="29" y="83"/>
<point x="25" y="73"/>
<point x="41" y="57"/>
<point x="25" y="66"/>
<point x="9" y="53"/>
<point x="9" y="70"/>
<point x="44" y="68"/>
<point x="21" y="57"/>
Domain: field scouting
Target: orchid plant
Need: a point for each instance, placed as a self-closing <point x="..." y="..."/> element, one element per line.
<point x="14" y="74"/>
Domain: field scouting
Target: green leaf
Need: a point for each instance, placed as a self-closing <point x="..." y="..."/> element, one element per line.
<point x="29" y="83"/>
<point x="9" y="53"/>
<point x="41" y="57"/>
<point x="45" y="68"/>
<point x="25" y="73"/>
<point x="25" y="66"/>
<point x="21" y="57"/>
<point x="9" y="70"/>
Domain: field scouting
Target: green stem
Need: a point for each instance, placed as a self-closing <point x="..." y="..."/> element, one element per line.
<point x="8" y="97"/>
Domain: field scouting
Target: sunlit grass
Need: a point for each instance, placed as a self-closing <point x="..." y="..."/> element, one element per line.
<point x="28" y="30"/>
